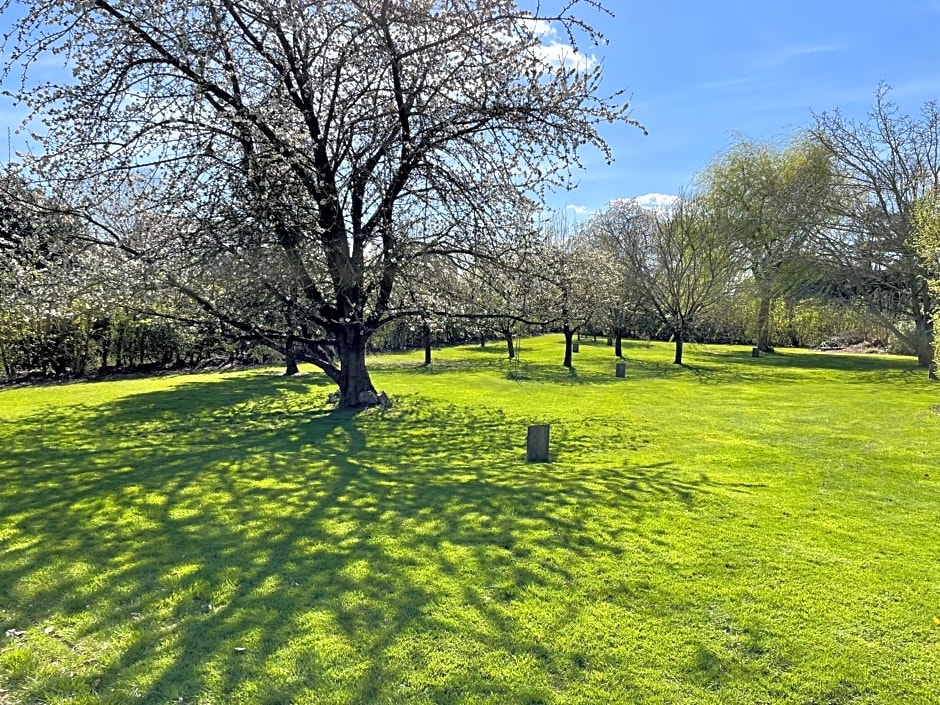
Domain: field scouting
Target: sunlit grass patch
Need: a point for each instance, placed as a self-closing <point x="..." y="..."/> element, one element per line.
<point x="736" y="530"/>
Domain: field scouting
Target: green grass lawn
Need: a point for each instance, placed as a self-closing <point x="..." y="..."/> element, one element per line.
<point x="737" y="530"/>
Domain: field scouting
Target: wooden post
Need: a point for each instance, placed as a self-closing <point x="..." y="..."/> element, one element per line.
<point x="536" y="444"/>
<point x="755" y="352"/>
<point x="575" y="347"/>
<point x="621" y="369"/>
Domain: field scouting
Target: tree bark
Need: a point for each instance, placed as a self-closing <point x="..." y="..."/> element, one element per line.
<point x="618" y="344"/>
<point x="678" y="358"/>
<point x="569" y="335"/>
<point x="105" y="343"/>
<point x="7" y="369"/>
<point x="290" y="357"/>
<point x="763" y="324"/>
<point x="353" y="378"/>
<point x="119" y="347"/>
<point x="483" y="340"/>
<point x="924" y="333"/>
<point x="426" y="341"/>
<point x="510" y="345"/>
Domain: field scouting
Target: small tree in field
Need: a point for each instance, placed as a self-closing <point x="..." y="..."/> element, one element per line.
<point x="284" y="162"/>
<point x="572" y="296"/>
<point x="680" y="262"/>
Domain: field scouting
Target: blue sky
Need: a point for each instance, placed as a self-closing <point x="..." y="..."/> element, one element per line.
<point x="701" y="73"/>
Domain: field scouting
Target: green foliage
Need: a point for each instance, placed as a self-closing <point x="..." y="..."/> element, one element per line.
<point x="926" y="241"/>
<point x="737" y="530"/>
<point x="774" y="202"/>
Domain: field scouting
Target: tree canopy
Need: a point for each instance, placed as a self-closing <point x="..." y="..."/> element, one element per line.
<point x="284" y="163"/>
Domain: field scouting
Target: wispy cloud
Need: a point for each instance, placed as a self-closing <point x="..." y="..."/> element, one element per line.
<point x="781" y="57"/>
<point x="578" y="210"/>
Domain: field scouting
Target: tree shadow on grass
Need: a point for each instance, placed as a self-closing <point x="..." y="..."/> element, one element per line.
<point x="379" y="556"/>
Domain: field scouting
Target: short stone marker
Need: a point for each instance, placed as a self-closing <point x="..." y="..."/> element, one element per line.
<point x="755" y="352"/>
<point x="621" y="369"/>
<point x="575" y="347"/>
<point x="536" y="444"/>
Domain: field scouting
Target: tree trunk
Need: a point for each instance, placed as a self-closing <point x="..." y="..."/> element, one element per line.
<point x="290" y="357"/>
<point x="678" y="358"/>
<point x="763" y="324"/>
<point x="105" y="344"/>
<point x="7" y="369"/>
<point x="618" y="344"/>
<point x="510" y="346"/>
<point x="355" y="385"/>
<point x="569" y="335"/>
<point x="119" y="347"/>
<point x="924" y="339"/>
<point x="482" y="340"/>
<point x="426" y="341"/>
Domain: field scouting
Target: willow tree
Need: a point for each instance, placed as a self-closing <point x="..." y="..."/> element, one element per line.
<point x="307" y="151"/>
<point x="773" y="203"/>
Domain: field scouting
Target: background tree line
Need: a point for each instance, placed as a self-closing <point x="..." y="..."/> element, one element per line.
<point x="315" y="180"/>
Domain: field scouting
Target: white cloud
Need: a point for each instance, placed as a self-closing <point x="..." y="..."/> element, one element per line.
<point x="656" y="201"/>
<point x="565" y="56"/>
<point x="578" y="210"/>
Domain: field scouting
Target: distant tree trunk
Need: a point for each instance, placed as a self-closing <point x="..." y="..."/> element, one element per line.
<point x="618" y="344"/>
<point x="763" y="324"/>
<point x="426" y="341"/>
<point x="290" y="357"/>
<point x="353" y="377"/>
<point x="792" y="334"/>
<point x="7" y="369"/>
<point x="678" y="358"/>
<point x="569" y="336"/>
<point x="482" y="339"/>
<point x="105" y="343"/>
<point x="510" y="346"/>
<point x="924" y="333"/>
<point x="119" y="348"/>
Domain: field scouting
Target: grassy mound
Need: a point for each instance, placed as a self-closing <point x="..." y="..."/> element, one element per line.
<point x="737" y="530"/>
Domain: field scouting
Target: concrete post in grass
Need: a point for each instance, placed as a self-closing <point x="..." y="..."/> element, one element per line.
<point x="575" y="347"/>
<point x="755" y="352"/>
<point x="621" y="369"/>
<point x="536" y="444"/>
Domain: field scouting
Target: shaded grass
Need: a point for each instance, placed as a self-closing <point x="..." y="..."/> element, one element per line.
<point x="734" y="531"/>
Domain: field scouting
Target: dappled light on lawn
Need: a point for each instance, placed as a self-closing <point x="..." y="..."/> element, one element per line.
<point x="234" y="540"/>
